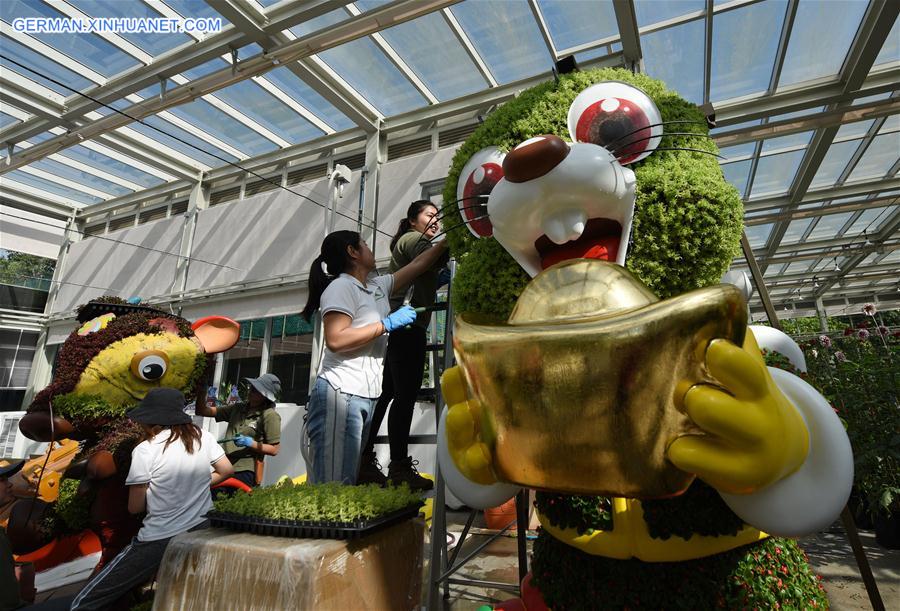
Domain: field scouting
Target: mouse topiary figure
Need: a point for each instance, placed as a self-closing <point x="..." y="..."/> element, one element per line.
<point x="636" y="402"/>
<point x="104" y="368"/>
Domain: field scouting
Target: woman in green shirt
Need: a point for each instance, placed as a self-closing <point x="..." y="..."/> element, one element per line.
<point x="404" y="362"/>
<point x="254" y="427"/>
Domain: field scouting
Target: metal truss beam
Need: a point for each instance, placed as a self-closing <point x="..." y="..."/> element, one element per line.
<point x="869" y="40"/>
<point x="480" y="100"/>
<point x="29" y="202"/>
<point x="786" y="127"/>
<point x="629" y="35"/>
<point x="866" y="204"/>
<point x="803" y="97"/>
<point x="888" y="230"/>
<point x="398" y="61"/>
<point x="136" y="145"/>
<point x="543" y="29"/>
<point x="396" y="12"/>
<point x="464" y="40"/>
<point x="172" y="62"/>
<point x="861" y="189"/>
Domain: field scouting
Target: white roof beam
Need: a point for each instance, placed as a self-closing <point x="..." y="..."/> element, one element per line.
<point x="15" y="80"/>
<point x="145" y="58"/>
<point x="796" y="125"/>
<point x="351" y="29"/>
<point x="629" y="35"/>
<point x="869" y="40"/>
<point x="327" y="83"/>
<point x="65" y="182"/>
<point x="89" y="169"/>
<point x="398" y="61"/>
<point x="473" y="53"/>
<point x="173" y="62"/>
<point x="95" y="145"/>
<point x="544" y="30"/>
<point x="9" y="186"/>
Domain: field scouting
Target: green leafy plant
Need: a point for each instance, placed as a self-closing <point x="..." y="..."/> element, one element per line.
<point x="72" y="508"/>
<point x="331" y="502"/>
<point x="858" y="372"/>
<point x="773" y="574"/>
<point x="583" y="513"/>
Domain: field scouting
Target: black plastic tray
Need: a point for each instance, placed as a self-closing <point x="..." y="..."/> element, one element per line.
<point x="310" y="529"/>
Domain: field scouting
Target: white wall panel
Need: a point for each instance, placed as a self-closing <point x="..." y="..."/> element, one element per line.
<point x="401" y="184"/>
<point x="265" y="236"/>
<point x="41" y="235"/>
<point x="121" y="268"/>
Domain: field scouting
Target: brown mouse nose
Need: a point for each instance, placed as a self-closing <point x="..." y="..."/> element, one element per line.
<point x="534" y="158"/>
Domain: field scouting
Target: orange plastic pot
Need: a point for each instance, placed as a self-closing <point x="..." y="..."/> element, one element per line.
<point x="498" y="517"/>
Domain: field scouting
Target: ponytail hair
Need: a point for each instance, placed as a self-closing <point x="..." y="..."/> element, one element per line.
<point x="412" y="213"/>
<point x="335" y="258"/>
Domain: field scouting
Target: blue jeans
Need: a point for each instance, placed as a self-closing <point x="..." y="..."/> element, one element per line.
<point x="338" y="424"/>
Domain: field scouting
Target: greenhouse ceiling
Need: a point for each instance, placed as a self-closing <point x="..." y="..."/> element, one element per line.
<point x="805" y="95"/>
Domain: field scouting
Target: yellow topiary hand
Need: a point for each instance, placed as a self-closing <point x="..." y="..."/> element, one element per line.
<point x="754" y="435"/>
<point x="470" y="454"/>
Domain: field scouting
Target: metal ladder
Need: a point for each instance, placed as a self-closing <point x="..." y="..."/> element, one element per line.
<point x="443" y="563"/>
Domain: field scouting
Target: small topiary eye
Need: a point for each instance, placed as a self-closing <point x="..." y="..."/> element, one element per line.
<point x="476" y="181"/>
<point x="619" y="117"/>
<point x="149" y="365"/>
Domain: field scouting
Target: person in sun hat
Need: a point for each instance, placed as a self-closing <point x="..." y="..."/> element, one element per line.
<point x="169" y="480"/>
<point x="254" y="427"/>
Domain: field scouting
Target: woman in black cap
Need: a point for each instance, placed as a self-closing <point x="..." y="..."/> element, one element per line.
<point x="170" y="480"/>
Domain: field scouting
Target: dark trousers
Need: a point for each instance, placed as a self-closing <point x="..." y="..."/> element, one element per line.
<point x="404" y="365"/>
<point x="134" y="566"/>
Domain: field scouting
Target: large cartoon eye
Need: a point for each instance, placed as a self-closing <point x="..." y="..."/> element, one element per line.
<point x="476" y="181"/>
<point x="149" y="365"/>
<point x="619" y="117"/>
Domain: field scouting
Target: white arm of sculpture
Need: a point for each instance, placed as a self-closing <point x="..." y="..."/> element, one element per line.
<point x="810" y="498"/>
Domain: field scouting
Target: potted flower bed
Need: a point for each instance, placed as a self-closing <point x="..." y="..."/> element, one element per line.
<point x="858" y="371"/>
<point x="324" y="511"/>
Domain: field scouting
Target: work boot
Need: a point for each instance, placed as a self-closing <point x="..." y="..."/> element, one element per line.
<point x="404" y="471"/>
<point x="370" y="470"/>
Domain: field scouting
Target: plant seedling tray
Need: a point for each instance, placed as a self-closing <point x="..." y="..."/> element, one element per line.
<point x="308" y="529"/>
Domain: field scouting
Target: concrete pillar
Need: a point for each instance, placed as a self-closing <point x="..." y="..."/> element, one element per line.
<point x="823" y="319"/>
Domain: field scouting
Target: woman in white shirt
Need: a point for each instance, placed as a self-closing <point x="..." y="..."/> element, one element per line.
<point x="356" y="316"/>
<point x="169" y="479"/>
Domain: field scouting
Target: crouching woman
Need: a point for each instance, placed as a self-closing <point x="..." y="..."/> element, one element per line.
<point x="169" y="479"/>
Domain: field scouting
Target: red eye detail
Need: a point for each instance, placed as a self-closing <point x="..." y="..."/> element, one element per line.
<point x="619" y="117"/>
<point x="479" y="177"/>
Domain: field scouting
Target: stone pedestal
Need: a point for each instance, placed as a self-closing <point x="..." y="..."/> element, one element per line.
<point x="219" y="569"/>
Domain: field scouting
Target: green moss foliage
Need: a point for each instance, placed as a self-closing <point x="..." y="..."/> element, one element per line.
<point x="331" y="502"/>
<point x="687" y="221"/>
<point x="72" y="509"/>
<point x="771" y="574"/>
<point x="583" y="513"/>
<point x="700" y="510"/>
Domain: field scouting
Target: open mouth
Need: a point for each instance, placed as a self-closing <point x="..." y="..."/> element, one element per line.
<point x="599" y="240"/>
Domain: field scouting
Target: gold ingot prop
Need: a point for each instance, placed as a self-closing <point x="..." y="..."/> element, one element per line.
<point x="578" y="388"/>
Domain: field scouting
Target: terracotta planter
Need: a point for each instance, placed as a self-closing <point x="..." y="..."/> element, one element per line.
<point x="498" y="517"/>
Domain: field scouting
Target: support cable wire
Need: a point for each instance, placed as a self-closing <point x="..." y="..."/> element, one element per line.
<point x="276" y="183"/>
<point x="101" y="237"/>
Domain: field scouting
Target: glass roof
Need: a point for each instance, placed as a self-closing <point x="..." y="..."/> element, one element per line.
<point x="448" y="58"/>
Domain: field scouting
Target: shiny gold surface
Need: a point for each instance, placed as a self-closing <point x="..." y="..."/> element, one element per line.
<point x="578" y="388"/>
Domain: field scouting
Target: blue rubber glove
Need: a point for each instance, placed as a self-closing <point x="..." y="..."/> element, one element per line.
<point x="399" y="318"/>
<point x="243" y="441"/>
